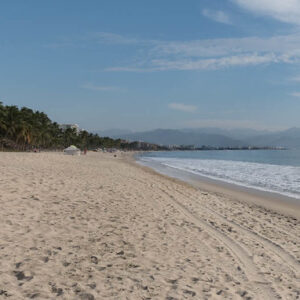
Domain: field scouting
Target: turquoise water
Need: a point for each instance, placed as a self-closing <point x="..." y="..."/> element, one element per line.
<point x="268" y="170"/>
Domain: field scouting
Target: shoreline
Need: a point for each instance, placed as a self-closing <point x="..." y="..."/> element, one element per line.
<point x="269" y="200"/>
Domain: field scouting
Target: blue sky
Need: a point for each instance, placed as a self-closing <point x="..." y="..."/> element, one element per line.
<point x="142" y="64"/>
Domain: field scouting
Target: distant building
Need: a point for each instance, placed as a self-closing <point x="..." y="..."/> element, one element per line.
<point x="64" y="127"/>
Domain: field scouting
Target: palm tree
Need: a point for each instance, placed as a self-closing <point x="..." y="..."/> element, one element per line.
<point x="12" y="122"/>
<point x="2" y="119"/>
<point x="23" y="128"/>
<point x="83" y="136"/>
<point x="24" y="134"/>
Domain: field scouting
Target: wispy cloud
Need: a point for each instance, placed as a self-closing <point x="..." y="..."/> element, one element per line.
<point x="90" y="86"/>
<point x="142" y="69"/>
<point x="295" y="94"/>
<point x="98" y="38"/>
<point x="216" y="53"/>
<point x="217" y="16"/>
<point x="208" y="64"/>
<point x="111" y="38"/>
<point x="283" y="10"/>
<point x="281" y="44"/>
<point x="215" y="63"/>
<point x="183" y="107"/>
<point x="207" y="54"/>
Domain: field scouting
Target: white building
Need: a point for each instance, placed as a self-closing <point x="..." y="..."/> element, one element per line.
<point x="64" y="127"/>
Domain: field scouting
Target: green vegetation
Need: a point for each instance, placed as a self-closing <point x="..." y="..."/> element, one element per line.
<point x="25" y="129"/>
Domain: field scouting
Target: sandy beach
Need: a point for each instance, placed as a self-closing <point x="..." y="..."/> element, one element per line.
<point x="103" y="227"/>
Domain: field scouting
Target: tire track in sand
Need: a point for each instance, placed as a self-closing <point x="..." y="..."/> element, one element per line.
<point x="269" y="245"/>
<point x="276" y="249"/>
<point x="238" y="251"/>
<point x="251" y="271"/>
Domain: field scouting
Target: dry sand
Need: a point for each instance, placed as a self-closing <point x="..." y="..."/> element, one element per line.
<point x="101" y="227"/>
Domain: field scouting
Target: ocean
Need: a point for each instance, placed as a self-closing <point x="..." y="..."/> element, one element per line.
<point x="276" y="171"/>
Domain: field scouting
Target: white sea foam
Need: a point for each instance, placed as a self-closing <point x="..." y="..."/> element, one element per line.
<point x="280" y="179"/>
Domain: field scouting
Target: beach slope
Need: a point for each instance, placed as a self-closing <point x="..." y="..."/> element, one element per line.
<point x="102" y="227"/>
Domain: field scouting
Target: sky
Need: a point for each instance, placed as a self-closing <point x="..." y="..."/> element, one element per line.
<point x="142" y="65"/>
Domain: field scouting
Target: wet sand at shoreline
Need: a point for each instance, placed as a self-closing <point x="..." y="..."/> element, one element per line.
<point x="274" y="201"/>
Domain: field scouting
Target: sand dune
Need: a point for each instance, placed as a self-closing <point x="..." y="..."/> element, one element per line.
<point x="102" y="227"/>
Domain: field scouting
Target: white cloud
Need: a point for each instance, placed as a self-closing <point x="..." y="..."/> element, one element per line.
<point x="283" y="10"/>
<point x="182" y="107"/>
<point x="216" y="15"/>
<point x="90" y="86"/>
<point x="295" y="94"/>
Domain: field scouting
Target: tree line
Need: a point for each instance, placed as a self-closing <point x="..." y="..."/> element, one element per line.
<point x="24" y="129"/>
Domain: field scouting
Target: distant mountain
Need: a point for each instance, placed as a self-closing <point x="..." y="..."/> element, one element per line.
<point x="288" y="138"/>
<point x="215" y="137"/>
<point x="293" y="132"/>
<point x="179" y="137"/>
<point x="240" y="134"/>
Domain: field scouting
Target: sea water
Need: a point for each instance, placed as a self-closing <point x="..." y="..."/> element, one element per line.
<point x="276" y="171"/>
